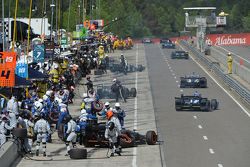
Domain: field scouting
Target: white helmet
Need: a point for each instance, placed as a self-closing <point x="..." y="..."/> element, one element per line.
<point x="55" y="65"/>
<point x="38" y="106"/>
<point x="107" y="103"/>
<point x="40" y="100"/>
<point x="49" y="92"/>
<point x="83" y="111"/>
<point x="117" y="105"/>
<point x="85" y="95"/>
<point x="114" y="80"/>
<point x="45" y="97"/>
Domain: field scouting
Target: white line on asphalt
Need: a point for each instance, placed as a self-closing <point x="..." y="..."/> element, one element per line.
<point x="170" y="67"/>
<point x="134" y="164"/>
<point x="233" y="54"/>
<point x="179" y="86"/>
<point x="211" y="151"/>
<point x="181" y="90"/>
<point x="174" y="77"/>
<point x="238" y="103"/>
<point x="205" y="138"/>
<point x="173" y="74"/>
<point x="177" y="81"/>
<point x="195" y="117"/>
<point x="200" y="127"/>
<point x="220" y="165"/>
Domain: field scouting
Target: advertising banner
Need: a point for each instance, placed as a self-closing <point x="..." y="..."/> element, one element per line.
<point x="38" y="53"/>
<point x="7" y="69"/>
<point x="22" y="70"/>
<point x="228" y="39"/>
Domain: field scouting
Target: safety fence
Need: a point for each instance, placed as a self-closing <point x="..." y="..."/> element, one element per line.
<point x="234" y="85"/>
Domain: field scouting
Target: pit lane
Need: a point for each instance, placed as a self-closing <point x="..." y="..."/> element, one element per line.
<point x="140" y="115"/>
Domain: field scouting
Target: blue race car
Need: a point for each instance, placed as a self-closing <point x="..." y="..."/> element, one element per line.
<point x="168" y="45"/>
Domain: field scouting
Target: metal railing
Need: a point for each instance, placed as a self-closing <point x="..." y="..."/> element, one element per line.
<point x="234" y="85"/>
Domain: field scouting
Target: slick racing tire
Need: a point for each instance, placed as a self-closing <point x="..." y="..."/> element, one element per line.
<point x="127" y="140"/>
<point x="97" y="106"/>
<point x="78" y="153"/>
<point x="133" y="92"/>
<point x="20" y="133"/>
<point x="151" y="137"/>
<point x="214" y="104"/>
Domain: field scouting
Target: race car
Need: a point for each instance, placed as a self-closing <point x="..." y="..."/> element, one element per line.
<point x="193" y="81"/>
<point x="169" y="45"/>
<point x="147" y="41"/>
<point x="195" y="103"/>
<point x="93" y="134"/>
<point x="164" y="40"/>
<point x="179" y="55"/>
<point x="104" y="92"/>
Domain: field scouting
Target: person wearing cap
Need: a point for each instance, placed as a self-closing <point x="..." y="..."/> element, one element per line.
<point x="229" y="63"/>
<point x="120" y="114"/>
<point x="4" y="128"/>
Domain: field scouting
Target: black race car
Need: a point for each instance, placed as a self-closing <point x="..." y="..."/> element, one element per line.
<point x="147" y="41"/>
<point x="165" y="40"/>
<point x="195" y="103"/>
<point x="169" y="45"/>
<point x="193" y="81"/>
<point x="104" y="92"/>
<point x="93" y="134"/>
<point x="179" y="55"/>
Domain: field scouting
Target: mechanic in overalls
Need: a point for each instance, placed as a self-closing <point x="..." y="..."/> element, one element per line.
<point x="54" y="73"/>
<point x="120" y="114"/>
<point x="111" y="134"/>
<point x="4" y="128"/>
<point x="229" y="63"/>
<point x="42" y="129"/>
<point x="12" y="105"/>
<point x="70" y="134"/>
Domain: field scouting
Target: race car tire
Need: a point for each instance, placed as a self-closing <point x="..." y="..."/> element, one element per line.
<point x="97" y="106"/>
<point x="151" y="137"/>
<point x="126" y="140"/>
<point x="78" y="153"/>
<point x="214" y="104"/>
<point x="208" y="106"/>
<point x="140" y="68"/>
<point x="133" y="92"/>
<point x="20" y="133"/>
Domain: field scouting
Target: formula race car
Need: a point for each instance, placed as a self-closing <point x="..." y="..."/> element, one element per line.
<point x="168" y="45"/>
<point x="93" y="134"/>
<point x="195" y="103"/>
<point x="165" y="40"/>
<point x="179" y="55"/>
<point x="193" y="81"/>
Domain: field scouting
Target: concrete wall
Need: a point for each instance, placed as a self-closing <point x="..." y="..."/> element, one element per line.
<point x="8" y="154"/>
<point x="238" y="69"/>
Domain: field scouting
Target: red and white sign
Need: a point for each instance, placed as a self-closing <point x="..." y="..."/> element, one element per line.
<point x="228" y="39"/>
